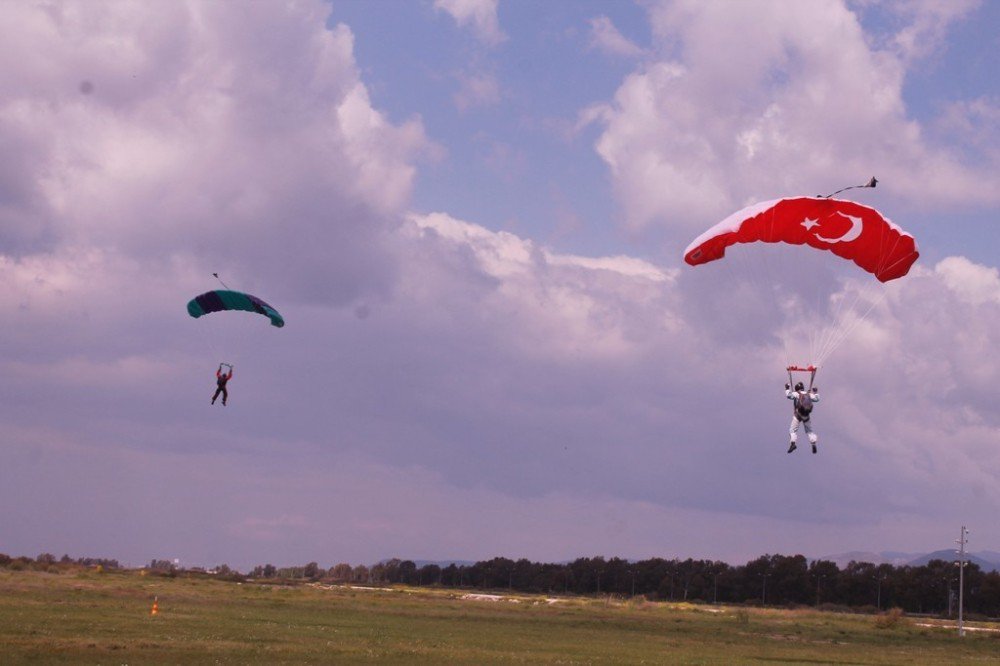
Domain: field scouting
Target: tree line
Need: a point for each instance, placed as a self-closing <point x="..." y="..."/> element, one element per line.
<point x="770" y="580"/>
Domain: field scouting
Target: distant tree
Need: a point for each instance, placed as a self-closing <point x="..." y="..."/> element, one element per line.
<point x="429" y="574"/>
<point x="340" y="572"/>
<point x="380" y="573"/>
<point x="985" y="598"/>
<point x="408" y="572"/>
<point x="826" y="583"/>
<point x="361" y="574"/>
<point x="450" y="575"/>
<point x="161" y="565"/>
<point x="46" y="558"/>
<point x="390" y="570"/>
<point x="311" y="571"/>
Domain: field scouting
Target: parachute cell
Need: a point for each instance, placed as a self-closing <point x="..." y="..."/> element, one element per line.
<point x="845" y="228"/>
<point x="219" y="300"/>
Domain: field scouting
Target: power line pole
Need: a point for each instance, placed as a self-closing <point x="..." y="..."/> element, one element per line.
<point x="962" y="540"/>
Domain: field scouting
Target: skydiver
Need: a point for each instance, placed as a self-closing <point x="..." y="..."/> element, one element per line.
<point x="220" y="381"/>
<point x="802" y="404"/>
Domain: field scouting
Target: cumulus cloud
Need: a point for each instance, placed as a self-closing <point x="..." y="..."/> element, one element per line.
<point x="500" y="373"/>
<point x="478" y="15"/>
<point x="973" y="283"/>
<point x="605" y="37"/>
<point x="200" y="132"/>
<point x="926" y="25"/>
<point x="479" y="378"/>
<point x="758" y="96"/>
<point x="630" y="356"/>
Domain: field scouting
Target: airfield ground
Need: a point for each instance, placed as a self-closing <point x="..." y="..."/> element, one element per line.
<point x="86" y="617"/>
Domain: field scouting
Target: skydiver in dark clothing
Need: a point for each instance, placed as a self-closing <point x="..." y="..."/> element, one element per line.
<point x="220" y="381"/>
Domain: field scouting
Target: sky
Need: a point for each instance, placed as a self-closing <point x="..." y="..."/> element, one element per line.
<point x="471" y="215"/>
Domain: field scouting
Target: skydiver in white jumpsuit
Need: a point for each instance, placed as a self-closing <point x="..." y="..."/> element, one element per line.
<point x="802" y="402"/>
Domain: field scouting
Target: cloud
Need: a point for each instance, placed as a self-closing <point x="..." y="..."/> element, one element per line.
<point x="441" y="389"/>
<point x="974" y="125"/>
<point x="200" y="133"/>
<point x="973" y="283"/>
<point x="497" y="378"/>
<point x="479" y="15"/>
<point x="926" y="26"/>
<point x="625" y="358"/>
<point x="805" y="100"/>
<point x="477" y="89"/>
<point x="605" y="37"/>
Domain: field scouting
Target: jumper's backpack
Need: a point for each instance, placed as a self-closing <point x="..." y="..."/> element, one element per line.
<point x="804" y="406"/>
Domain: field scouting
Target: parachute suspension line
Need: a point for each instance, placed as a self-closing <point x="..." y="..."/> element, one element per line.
<point x="839" y="327"/>
<point x="842" y="330"/>
<point x="836" y="322"/>
<point x="867" y="293"/>
<point x="850" y="329"/>
<point x="216" y="276"/>
<point x="871" y="183"/>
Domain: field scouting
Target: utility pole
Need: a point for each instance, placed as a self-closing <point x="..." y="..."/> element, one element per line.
<point x="962" y="540"/>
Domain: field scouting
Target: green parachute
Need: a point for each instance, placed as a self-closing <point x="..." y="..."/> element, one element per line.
<point x="225" y="299"/>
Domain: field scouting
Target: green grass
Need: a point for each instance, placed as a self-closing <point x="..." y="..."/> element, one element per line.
<point x="87" y="617"/>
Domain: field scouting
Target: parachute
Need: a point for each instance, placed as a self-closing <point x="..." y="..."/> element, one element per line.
<point x="224" y="299"/>
<point x="845" y="228"/>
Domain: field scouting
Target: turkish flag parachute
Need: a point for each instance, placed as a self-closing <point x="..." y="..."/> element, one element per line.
<point x="851" y="231"/>
<point x="845" y="228"/>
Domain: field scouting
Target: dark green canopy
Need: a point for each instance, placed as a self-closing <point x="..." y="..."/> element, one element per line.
<point x="221" y="299"/>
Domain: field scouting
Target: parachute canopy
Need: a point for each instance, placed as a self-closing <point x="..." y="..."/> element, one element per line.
<point x="845" y="228"/>
<point x="221" y="299"/>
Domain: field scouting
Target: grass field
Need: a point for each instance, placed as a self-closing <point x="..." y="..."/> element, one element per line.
<point x="104" y="618"/>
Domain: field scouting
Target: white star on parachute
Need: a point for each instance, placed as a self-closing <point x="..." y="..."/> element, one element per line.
<point x="810" y="223"/>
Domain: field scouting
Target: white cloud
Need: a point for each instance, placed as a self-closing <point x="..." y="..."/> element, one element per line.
<point x="199" y="131"/>
<point x="477" y="89"/>
<point x="605" y="37"/>
<point x="973" y="283"/>
<point x="480" y="15"/>
<point x="805" y="100"/>
<point x="921" y="351"/>
<point x="558" y="314"/>
<point x="487" y="393"/>
<point x="927" y="23"/>
<point x="494" y="361"/>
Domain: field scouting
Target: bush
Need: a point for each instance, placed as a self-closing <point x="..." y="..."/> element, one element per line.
<point x="890" y="619"/>
<point x="834" y="608"/>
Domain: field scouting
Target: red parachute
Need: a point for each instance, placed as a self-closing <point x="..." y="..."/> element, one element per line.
<point x="845" y="228"/>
